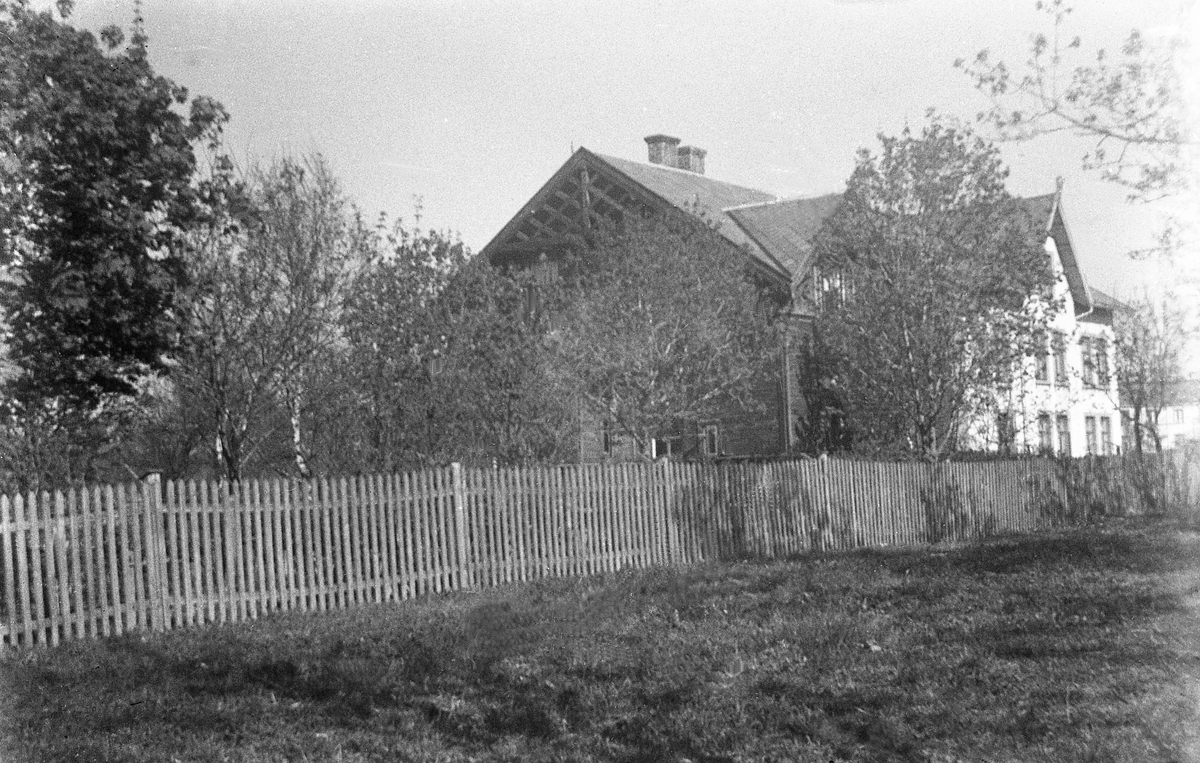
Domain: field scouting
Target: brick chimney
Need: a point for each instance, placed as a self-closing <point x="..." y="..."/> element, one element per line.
<point x="662" y="149"/>
<point x="691" y="159"/>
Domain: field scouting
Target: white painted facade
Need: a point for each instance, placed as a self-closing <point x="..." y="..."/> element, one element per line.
<point x="1065" y="401"/>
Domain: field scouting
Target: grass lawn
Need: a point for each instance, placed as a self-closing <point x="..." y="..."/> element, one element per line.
<point x="1069" y="646"/>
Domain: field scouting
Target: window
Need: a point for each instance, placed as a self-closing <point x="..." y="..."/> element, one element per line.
<point x="1042" y="369"/>
<point x="1005" y="432"/>
<point x="1087" y="353"/>
<point x="1106" y="438"/>
<point x="662" y="447"/>
<point x="544" y="273"/>
<point x="1064" y="434"/>
<point x="1089" y="428"/>
<point x="831" y="292"/>
<point x="1102" y="378"/>
<point x="710" y="440"/>
<point x="1045" y="434"/>
<point x="1059" y="349"/>
<point x="533" y="301"/>
<point x="1178" y="415"/>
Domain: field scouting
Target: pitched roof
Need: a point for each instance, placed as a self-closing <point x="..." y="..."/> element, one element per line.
<point x="1048" y="207"/>
<point x="785" y="228"/>
<point x="1103" y="300"/>
<point x="683" y="188"/>
<point x="780" y="230"/>
<point x="692" y="192"/>
<point x="776" y="232"/>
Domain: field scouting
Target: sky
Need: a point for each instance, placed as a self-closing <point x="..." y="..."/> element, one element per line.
<point x="467" y="108"/>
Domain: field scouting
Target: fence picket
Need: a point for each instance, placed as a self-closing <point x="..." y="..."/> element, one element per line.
<point x="8" y="540"/>
<point x="58" y="575"/>
<point x="22" y="544"/>
<point x="130" y="555"/>
<point x="443" y="566"/>
<point x="113" y="559"/>
<point x="415" y="486"/>
<point x="442" y="514"/>
<point x="463" y="570"/>
<point x="387" y="538"/>
<point x="599" y="507"/>
<point x="489" y="490"/>
<point x="293" y="554"/>
<point x="360" y="510"/>
<point x="313" y="577"/>
<point x="277" y="559"/>
<point x="404" y="504"/>
<point x="323" y="517"/>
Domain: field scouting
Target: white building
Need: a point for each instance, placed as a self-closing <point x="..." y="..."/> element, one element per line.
<point x="1065" y="400"/>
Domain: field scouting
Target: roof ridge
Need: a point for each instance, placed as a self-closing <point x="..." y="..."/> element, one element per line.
<point x="782" y="200"/>
<point x="686" y="173"/>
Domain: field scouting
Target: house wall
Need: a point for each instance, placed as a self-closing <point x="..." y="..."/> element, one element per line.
<point x="759" y="428"/>
<point x="1072" y="397"/>
<point x="1178" y="425"/>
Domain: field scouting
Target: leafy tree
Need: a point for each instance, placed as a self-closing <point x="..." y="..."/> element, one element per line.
<point x="662" y="328"/>
<point x="935" y="284"/>
<point x="1130" y="104"/>
<point x="388" y="418"/>
<point x="444" y="362"/>
<point x="96" y="165"/>
<point x="1149" y="343"/>
<point x="270" y="271"/>
<point x="497" y="369"/>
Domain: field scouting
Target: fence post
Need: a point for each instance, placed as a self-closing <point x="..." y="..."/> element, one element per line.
<point x="460" y="524"/>
<point x="156" y="551"/>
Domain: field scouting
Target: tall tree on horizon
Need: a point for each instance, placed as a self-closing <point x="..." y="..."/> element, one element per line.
<point x="96" y="171"/>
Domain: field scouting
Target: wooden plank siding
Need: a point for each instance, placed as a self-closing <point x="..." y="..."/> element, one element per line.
<point x="105" y="560"/>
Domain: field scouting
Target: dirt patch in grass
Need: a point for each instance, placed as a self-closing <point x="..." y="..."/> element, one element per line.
<point x="1071" y="646"/>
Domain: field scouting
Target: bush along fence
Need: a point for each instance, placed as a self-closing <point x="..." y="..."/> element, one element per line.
<point x="1165" y="483"/>
<point x="106" y="560"/>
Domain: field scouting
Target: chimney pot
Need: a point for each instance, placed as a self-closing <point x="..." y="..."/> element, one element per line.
<point x="691" y="159"/>
<point x="662" y="149"/>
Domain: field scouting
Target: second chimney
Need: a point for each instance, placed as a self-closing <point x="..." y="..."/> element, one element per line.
<point x="691" y="159"/>
<point x="662" y="149"/>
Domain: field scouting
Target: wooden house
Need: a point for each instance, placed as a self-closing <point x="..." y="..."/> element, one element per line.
<point x="773" y="235"/>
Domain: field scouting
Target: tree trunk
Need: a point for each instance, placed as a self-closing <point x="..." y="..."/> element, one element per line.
<point x="294" y="406"/>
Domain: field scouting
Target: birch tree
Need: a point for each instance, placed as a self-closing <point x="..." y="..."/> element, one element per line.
<point x="269" y="277"/>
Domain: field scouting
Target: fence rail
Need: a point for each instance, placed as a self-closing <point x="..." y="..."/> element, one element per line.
<point x="106" y="560"/>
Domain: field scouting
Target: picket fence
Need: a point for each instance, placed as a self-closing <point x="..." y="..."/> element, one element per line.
<point x="107" y="560"/>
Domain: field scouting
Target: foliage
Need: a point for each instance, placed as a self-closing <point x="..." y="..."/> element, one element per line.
<point x="935" y="285"/>
<point x="1150" y="338"/>
<point x="1130" y="104"/>
<point x="96" y="165"/>
<point x="391" y="417"/>
<point x="44" y="446"/>
<point x="270" y="270"/>
<point x="662" y="328"/>
<point x="498" y="368"/>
